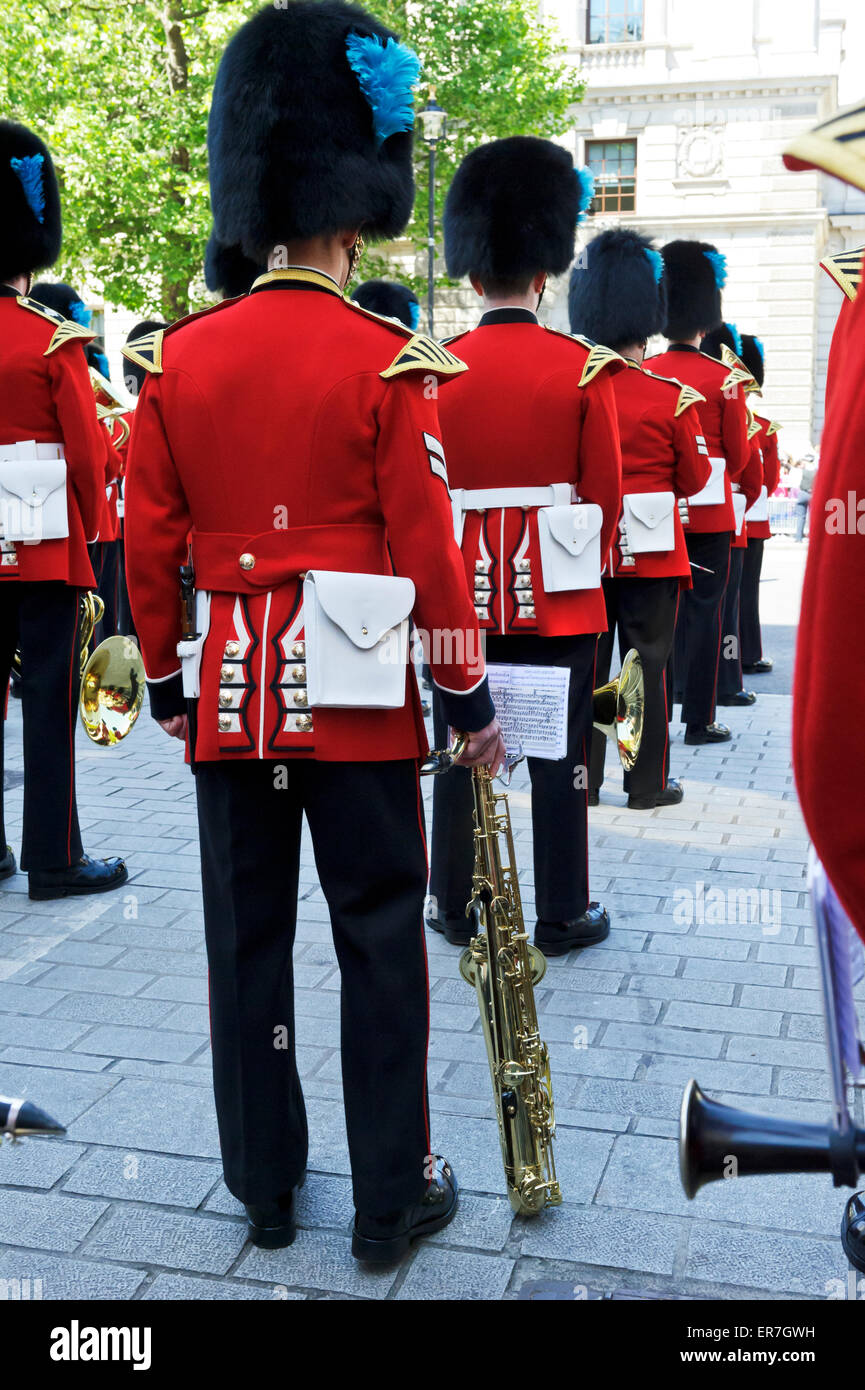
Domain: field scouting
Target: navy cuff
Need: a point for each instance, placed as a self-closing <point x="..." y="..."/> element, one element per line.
<point x="166" y="697"/>
<point x="470" y="712"/>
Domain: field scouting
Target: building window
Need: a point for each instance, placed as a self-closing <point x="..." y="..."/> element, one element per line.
<point x="615" y="21"/>
<point x="614" y="165"/>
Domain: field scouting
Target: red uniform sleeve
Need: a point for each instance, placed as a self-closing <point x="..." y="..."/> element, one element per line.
<point x="413" y="491"/>
<point x="83" y="436"/>
<point x="692" y="467"/>
<point x="156" y="532"/>
<point x="599" y="467"/>
<point x="752" y="478"/>
<point x="734" y="432"/>
<point x="771" y="463"/>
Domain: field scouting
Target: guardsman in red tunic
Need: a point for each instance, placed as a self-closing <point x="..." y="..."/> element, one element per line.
<point x="134" y="377"/>
<point x="534" y="466"/>
<point x="725" y="344"/>
<point x="618" y="296"/>
<point x="288" y="443"/>
<point x="52" y="448"/>
<point x="695" y="274"/>
<point x="828" y="751"/>
<point x="754" y="663"/>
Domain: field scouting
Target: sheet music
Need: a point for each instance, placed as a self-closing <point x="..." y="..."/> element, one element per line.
<point x="532" y="707"/>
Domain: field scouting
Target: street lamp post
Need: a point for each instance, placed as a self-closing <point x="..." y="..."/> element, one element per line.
<point x="433" y="125"/>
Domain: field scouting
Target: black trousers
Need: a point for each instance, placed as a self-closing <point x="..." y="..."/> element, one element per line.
<point x="366" y="822"/>
<point x="730" y="659"/>
<point x="559" y="807"/>
<point x="107" y="574"/>
<point x="698" y="627"/>
<point x="42" y="619"/>
<point x="750" y="636"/>
<point x="644" y="611"/>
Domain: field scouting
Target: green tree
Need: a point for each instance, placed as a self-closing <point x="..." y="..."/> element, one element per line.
<point x="120" y="90"/>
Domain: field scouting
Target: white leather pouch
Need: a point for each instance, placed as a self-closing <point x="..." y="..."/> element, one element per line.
<point x="739" y="505"/>
<point x="33" y="492"/>
<point x="570" y="545"/>
<point x="190" y="650"/>
<point x="356" y="631"/>
<point x="760" y="509"/>
<point x="713" y="493"/>
<point x="650" y="522"/>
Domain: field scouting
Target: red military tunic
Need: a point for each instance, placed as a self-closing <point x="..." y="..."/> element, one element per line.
<point x="768" y="441"/>
<point x="828" y="751"/>
<point x="284" y="431"/>
<point x="536" y="408"/>
<point x="663" y="450"/>
<point x="723" y="415"/>
<point x="45" y="395"/>
<point x="751" y="480"/>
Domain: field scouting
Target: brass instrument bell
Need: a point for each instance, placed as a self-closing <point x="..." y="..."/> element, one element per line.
<point x="618" y="709"/>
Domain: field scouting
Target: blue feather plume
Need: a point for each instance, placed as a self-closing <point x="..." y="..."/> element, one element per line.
<point x="586" y="184"/>
<point x="737" y="339"/>
<point x="79" y="311"/>
<point x="719" y="265"/>
<point x="102" y="364"/>
<point x="386" y="73"/>
<point x="656" y="261"/>
<point x="414" y="314"/>
<point x="30" y="173"/>
<point x="760" y="348"/>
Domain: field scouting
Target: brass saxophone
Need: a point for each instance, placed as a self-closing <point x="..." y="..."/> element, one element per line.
<point x="504" y="968"/>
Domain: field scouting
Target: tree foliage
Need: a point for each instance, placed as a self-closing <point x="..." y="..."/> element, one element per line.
<point x="120" y="90"/>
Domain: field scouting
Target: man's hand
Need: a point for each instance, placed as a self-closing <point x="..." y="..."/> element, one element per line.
<point x="174" y="727"/>
<point x="486" y="748"/>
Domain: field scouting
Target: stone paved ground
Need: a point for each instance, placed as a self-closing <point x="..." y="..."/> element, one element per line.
<point x="103" y="1020"/>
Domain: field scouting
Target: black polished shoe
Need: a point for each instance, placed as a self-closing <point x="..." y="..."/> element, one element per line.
<point x="707" y="733"/>
<point x="759" y="668"/>
<point x="670" y="795"/>
<point x="741" y="697"/>
<point x="382" y="1240"/>
<point x="557" y="938"/>
<point x="594" y="798"/>
<point x="453" y="926"/>
<point x="273" y="1225"/>
<point x="7" y="864"/>
<point x="87" y="876"/>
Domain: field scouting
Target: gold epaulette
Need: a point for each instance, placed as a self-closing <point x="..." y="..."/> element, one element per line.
<point x="146" y="351"/>
<point x="738" y="376"/>
<point x="688" y="396"/>
<point x="747" y="379"/>
<point x="599" y="357"/>
<point x="845" y="269"/>
<point x="772" y="428"/>
<point x="421" y="354"/>
<point x="66" y="328"/>
<point x="754" y="426"/>
<point x="836" y="146"/>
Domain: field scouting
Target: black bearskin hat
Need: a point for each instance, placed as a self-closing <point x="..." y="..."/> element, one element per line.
<point x="753" y="357"/>
<point x="63" y="299"/>
<point x="617" y="293"/>
<point x="696" y="272"/>
<point x="30" y="227"/>
<point x="391" y="300"/>
<point x="512" y="211"/>
<point x="227" y="271"/>
<point x="310" y="129"/>
<point x="135" y="375"/>
<point x="725" y="335"/>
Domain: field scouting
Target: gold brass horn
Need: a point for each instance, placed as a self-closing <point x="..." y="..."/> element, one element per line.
<point x="112" y="678"/>
<point x="718" y="1141"/>
<point x="618" y="709"/>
